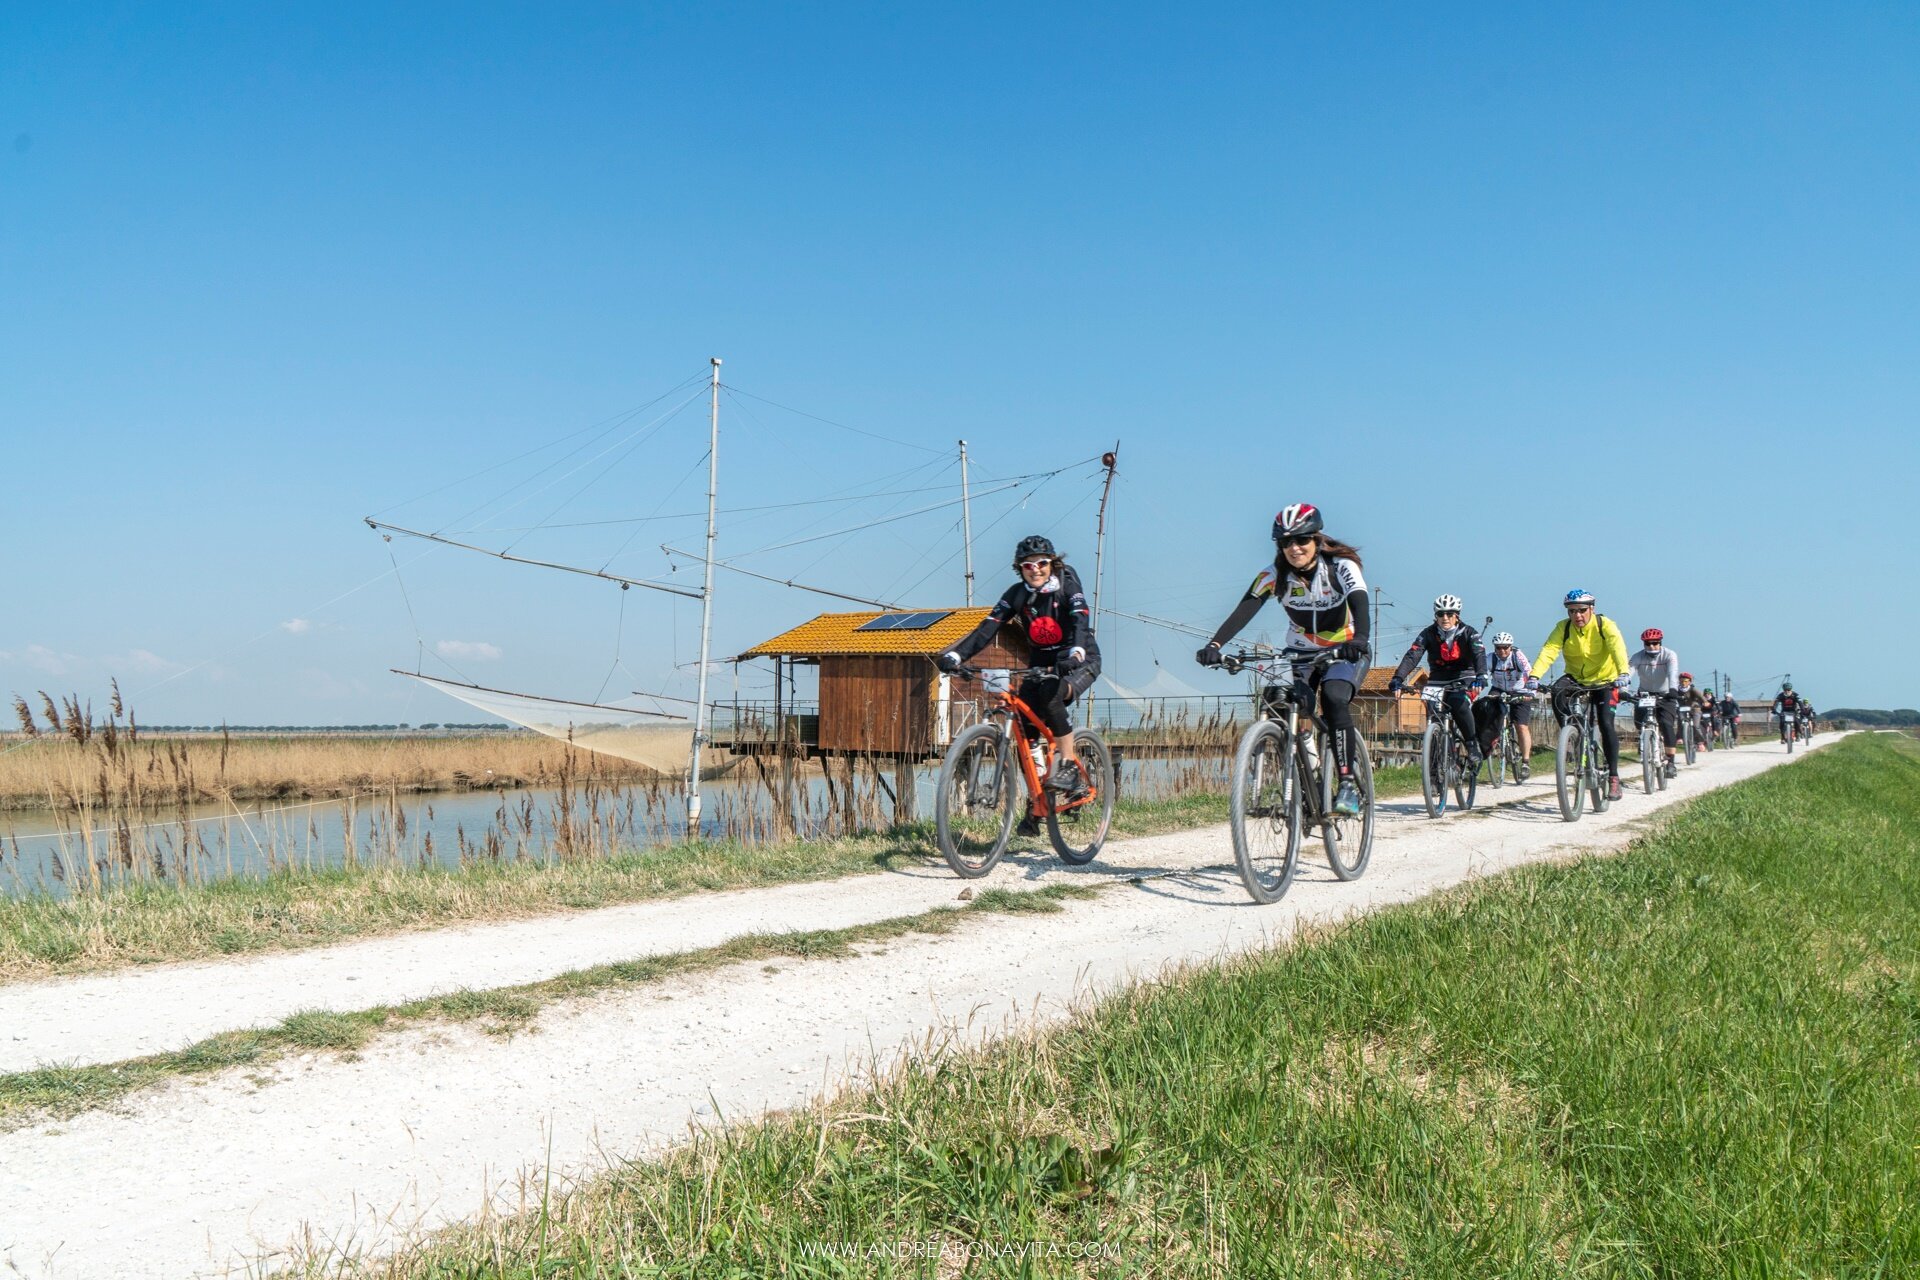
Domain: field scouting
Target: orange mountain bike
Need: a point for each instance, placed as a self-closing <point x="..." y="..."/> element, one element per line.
<point x="973" y="809"/>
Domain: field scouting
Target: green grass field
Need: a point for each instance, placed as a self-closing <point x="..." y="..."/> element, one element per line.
<point x="1698" y="1058"/>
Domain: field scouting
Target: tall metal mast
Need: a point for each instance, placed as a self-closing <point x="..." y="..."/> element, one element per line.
<point x="1108" y="460"/>
<point x="966" y="521"/>
<point x="702" y="714"/>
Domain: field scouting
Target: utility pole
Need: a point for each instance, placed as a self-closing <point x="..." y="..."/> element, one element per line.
<point x="1379" y="599"/>
<point x="1108" y="460"/>
<point x="701" y="719"/>
<point x="966" y="522"/>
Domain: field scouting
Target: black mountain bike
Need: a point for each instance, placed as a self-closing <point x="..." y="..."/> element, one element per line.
<point x="1284" y="783"/>
<point x="1443" y="757"/>
<point x="1506" y="763"/>
<point x="1579" y="758"/>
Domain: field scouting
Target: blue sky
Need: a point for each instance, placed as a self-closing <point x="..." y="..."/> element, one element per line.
<point x="1523" y="299"/>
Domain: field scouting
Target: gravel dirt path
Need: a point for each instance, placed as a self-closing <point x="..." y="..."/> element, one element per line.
<point x="209" y="1176"/>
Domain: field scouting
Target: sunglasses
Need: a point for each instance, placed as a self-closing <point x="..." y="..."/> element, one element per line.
<point x="1447" y="613"/>
<point x="1034" y="566"/>
<point x="1306" y="541"/>
<point x="1579" y="609"/>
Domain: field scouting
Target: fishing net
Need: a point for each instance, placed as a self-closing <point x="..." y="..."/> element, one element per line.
<point x="656" y="739"/>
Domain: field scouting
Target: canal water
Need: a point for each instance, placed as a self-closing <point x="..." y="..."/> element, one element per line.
<point x="43" y="852"/>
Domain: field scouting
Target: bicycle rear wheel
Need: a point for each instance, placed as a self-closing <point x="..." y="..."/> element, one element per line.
<point x="1569" y="771"/>
<point x="1434" y="752"/>
<point x="1078" y="833"/>
<point x="1265" y="806"/>
<point x="1349" y="837"/>
<point x="973" y="804"/>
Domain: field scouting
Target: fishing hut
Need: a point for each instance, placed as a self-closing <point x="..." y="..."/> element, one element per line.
<point x="879" y="694"/>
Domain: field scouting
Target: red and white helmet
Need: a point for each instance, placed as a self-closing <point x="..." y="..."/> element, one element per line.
<point x="1297" y="521"/>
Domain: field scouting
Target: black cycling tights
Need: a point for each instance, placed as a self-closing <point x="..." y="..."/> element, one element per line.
<point x="1336" y="706"/>
<point x="1602" y="703"/>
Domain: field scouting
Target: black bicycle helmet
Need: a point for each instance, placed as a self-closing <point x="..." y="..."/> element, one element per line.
<point x="1297" y="521"/>
<point x="1033" y="545"/>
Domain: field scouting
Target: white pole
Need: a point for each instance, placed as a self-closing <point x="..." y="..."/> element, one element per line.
<point x="701" y="718"/>
<point x="966" y="521"/>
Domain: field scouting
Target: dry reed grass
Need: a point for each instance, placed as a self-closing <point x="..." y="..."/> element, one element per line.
<point x="62" y="772"/>
<point x="134" y="810"/>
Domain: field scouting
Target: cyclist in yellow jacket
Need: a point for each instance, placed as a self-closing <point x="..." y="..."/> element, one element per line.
<point x="1595" y="654"/>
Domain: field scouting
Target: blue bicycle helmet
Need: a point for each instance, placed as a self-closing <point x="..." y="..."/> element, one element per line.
<point x="1579" y="595"/>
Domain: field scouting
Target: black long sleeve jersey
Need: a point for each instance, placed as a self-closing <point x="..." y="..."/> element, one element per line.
<point x="1054" y="619"/>
<point x="1448" y="657"/>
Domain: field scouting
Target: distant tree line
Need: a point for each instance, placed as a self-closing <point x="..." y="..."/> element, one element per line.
<point x="1904" y="718"/>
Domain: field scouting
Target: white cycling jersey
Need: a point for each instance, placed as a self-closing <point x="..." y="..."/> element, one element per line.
<point x="1657" y="672"/>
<point x="1510" y="675"/>
<point x="1317" y="613"/>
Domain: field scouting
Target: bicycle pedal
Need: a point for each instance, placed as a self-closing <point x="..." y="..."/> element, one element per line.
<point x="1064" y="806"/>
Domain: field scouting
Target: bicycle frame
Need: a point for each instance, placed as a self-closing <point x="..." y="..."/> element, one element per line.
<point x="1017" y="715"/>
<point x="1275" y="671"/>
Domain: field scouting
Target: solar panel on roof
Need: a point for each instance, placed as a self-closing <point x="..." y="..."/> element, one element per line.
<point x="904" y="621"/>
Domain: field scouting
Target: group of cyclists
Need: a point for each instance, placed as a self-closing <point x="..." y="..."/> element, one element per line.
<point x="1319" y="583"/>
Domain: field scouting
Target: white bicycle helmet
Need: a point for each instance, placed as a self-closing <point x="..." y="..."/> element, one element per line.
<point x="1447" y="604"/>
<point x="1505" y="637"/>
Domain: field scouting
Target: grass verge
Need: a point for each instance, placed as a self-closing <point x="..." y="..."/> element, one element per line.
<point x="152" y="922"/>
<point x="57" y="1092"/>
<point x="1699" y="1058"/>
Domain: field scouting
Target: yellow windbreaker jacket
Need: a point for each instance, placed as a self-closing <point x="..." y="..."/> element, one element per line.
<point x="1595" y="653"/>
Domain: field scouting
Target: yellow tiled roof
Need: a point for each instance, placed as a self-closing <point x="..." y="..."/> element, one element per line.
<point x="838" y="633"/>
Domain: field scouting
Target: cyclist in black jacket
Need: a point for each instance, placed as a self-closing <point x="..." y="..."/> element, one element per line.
<point x="1452" y="650"/>
<point x="1048" y="605"/>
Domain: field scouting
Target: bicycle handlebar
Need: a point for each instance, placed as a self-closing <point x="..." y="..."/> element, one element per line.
<point x="974" y="673"/>
<point x="1241" y="659"/>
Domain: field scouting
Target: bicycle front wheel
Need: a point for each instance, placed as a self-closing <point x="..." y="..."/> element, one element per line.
<point x="1349" y="837"/>
<point x="1651" y="774"/>
<point x="1466" y="782"/>
<point x="1693" y="745"/>
<point x="1078" y="833"/>
<point x="973" y="806"/>
<point x="1433" y="768"/>
<point x="1569" y="771"/>
<point x="1265" y="805"/>
<point x="1596" y="757"/>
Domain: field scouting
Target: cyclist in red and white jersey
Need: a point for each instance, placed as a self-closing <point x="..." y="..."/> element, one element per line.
<point x="1319" y="583"/>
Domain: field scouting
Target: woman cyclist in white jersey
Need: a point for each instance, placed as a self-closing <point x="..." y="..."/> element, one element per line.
<point x="1509" y="672"/>
<point x="1318" y="581"/>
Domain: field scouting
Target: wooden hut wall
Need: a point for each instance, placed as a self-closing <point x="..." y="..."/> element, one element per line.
<point x="872" y="703"/>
